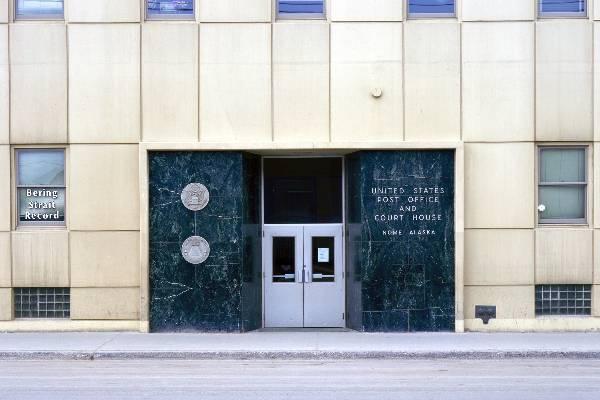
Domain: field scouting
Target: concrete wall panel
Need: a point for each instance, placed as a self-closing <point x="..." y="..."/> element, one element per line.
<point x="4" y="85"/>
<point x="596" y="184"/>
<point x="5" y="262"/>
<point x="104" y="83"/>
<point x="4" y="11"/>
<point x="499" y="185"/>
<point x="499" y="257"/>
<point x="596" y="96"/>
<point x="366" y="62"/>
<point x="596" y="257"/>
<point x="432" y="80"/>
<point x="357" y="10"/>
<point x="512" y="302"/>
<point x="40" y="258"/>
<point x="235" y="10"/>
<point x="301" y="81"/>
<point x="38" y="82"/>
<point x="564" y="80"/>
<point x="563" y="256"/>
<point x="104" y="190"/>
<point x="170" y="82"/>
<point x="6" y="305"/>
<point x="5" y="190"/>
<point x="105" y="259"/>
<point x="103" y="10"/>
<point x="105" y="303"/>
<point x="235" y="82"/>
<point x="498" y="81"/>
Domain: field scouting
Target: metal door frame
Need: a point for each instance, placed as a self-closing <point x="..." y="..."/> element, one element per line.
<point x="342" y="223"/>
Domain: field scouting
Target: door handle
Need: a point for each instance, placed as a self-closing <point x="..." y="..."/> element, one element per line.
<point x="305" y="275"/>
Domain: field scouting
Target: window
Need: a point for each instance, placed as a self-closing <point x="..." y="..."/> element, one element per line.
<point x="563" y="300"/>
<point x="39" y="9"/>
<point x="562" y="8"/>
<point x="562" y="191"/>
<point x="42" y="302"/>
<point x="284" y="259"/>
<point x="303" y="190"/>
<point x="300" y="8"/>
<point x="41" y="187"/>
<point x="170" y="9"/>
<point x="431" y="8"/>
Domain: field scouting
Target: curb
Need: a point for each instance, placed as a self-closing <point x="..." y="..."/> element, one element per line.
<point x="299" y="355"/>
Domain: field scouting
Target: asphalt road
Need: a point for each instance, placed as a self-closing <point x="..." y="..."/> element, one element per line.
<point x="307" y="380"/>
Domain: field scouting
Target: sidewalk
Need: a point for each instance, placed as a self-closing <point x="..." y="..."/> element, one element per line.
<point x="298" y="345"/>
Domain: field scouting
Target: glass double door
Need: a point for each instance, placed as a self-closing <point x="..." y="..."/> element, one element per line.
<point x="304" y="285"/>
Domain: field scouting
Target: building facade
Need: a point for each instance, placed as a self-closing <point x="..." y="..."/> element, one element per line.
<point x="229" y="165"/>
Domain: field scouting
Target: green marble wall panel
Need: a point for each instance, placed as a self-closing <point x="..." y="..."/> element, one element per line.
<point x="223" y="293"/>
<point x="400" y="244"/>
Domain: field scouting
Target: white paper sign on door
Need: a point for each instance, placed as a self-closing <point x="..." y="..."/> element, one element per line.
<point x="323" y="254"/>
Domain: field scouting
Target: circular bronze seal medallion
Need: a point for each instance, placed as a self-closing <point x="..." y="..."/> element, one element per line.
<point x="195" y="196"/>
<point x="195" y="250"/>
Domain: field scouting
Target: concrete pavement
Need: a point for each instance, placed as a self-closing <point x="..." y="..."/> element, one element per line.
<point x="301" y="379"/>
<point x="298" y="345"/>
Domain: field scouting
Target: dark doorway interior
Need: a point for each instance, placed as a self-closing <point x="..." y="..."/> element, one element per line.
<point x="303" y="190"/>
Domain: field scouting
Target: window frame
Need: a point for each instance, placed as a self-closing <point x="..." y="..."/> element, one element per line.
<point x="303" y="16"/>
<point x="585" y="184"/>
<point x="549" y="15"/>
<point x="38" y="224"/>
<point x="170" y="17"/>
<point x="410" y="15"/>
<point x="38" y="17"/>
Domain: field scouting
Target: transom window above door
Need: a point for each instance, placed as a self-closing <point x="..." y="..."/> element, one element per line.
<point x="302" y="190"/>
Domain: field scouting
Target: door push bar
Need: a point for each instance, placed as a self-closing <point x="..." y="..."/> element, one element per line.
<point x="304" y="275"/>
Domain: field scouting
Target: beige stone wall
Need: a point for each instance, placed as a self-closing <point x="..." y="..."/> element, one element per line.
<point x="496" y="78"/>
<point x="4" y="84"/>
<point x="507" y="252"/>
<point x="38" y="81"/>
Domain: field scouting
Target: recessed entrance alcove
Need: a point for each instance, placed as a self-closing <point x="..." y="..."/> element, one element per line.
<point x="363" y="241"/>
